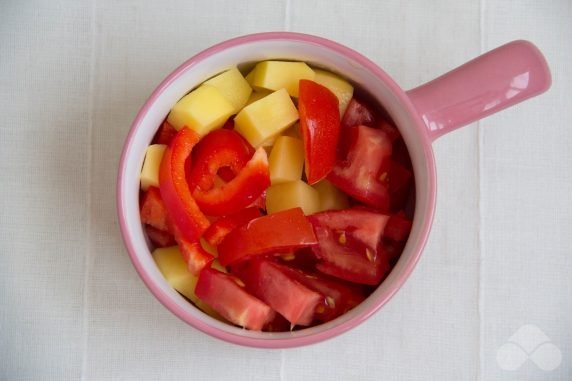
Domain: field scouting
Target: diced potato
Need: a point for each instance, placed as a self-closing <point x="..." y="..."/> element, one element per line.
<point x="266" y="117"/>
<point x="256" y="95"/>
<point x="270" y="141"/>
<point x="250" y="77"/>
<point x="150" y="171"/>
<point x="202" y="110"/>
<point x="340" y="87"/>
<point x="291" y="195"/>
<point x="171" y="264"/>
<point x="233" y="87"/>
<point x="275" y="75"/>
<point x="286" y="160"/>
<point x="331" y="198"/>
<point x="293" y="131"/>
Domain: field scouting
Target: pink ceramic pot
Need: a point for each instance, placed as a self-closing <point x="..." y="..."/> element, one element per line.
<point x="489" y="83"/>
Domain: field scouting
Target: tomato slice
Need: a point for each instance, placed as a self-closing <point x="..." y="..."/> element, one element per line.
<point x="338" y="297"/>
<point x="357" y="114"/>
<point x="224" y="225"/>
<point x="240" y="192"/>
<point x="225" y="295"/>
<point x="218" y="150"/>
<point x="270" y="282"/>
<point x="320" y="126"/>
<point x="398" y="227"/>
<point x="181" y="206"/>
<point x="159" y="238"/>
<point x="349" y="244"/>
<point x="363" y="175"/>
<point x="275" y="233"/>
<point x="165" y="134"/>
<point x="153" y="211"/>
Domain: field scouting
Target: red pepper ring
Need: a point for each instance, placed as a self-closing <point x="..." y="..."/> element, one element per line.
<point x="224" y="150"/>
<point x="240" y="192"/>
<point x="181" y="207"/>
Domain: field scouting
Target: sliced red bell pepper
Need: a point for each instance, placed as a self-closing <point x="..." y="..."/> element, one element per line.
<point x="225" y="294"/>
<point x="224" y="225"/>
<point x="267" y="280"/>
<point x="218" y="151"/>
<point x="153" y="211"/>
<point x="349" y="244"/>
<point x="260" y="202"/>
<point x="165" y="134"/>
<point x="240" y="192"/>
<point x="194" y="255"/>
<point x="279" y="232"/>
<point x="363" y="175"/>
<point x="320" y="126"/>
<point x="182" y="208"/>
<point x="159" y="238"/>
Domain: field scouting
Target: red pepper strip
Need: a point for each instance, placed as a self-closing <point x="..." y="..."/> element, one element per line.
<point x="221" y="149"/>
<point x="275" y="233"/>
<point x="182" y="208"/>
<point x="224" y="225"/>
<point x="320" y="125"/>
<point x="240" y="192"/>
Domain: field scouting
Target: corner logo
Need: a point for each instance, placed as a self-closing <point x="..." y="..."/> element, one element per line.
<point x="529" y="342"/>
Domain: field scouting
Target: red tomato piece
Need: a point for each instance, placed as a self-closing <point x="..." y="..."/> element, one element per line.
<point x="226" y="296"/>
<point x="260" y="202"/>
<point x="279" y="232"/>
<point x="269" y="282"/>
<point x="219" y="149"/>
<point x="224" y="225"/>
<point x="194" y="255"/>
<point x="165" y="134"/>
<point x="357" y="114"/>
<point x="240" y="192"/>
<point x="159" y="238"/>
<point x="399" y="185"/>
<point x="338" y="296"/>
<point x="390" y="130"/>
<point x="182" y="209"/>
<point x="349" y="244"/>
<point x="398" y="227"/>
<point x="153" y="211"/>
<point x="363" y="175"/>
<point x="320" y="126"/>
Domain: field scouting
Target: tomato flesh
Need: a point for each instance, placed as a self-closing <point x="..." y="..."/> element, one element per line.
<point x="224" y="225"/>
<point x="165" y="134"/>
<point x="225" y="295"/>
<point x="275" y="233"/>
<point x="153" y="211"/>
<point x="320" y="126"/>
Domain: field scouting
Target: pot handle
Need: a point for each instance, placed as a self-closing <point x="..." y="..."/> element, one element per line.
<point x="487" y="84"/>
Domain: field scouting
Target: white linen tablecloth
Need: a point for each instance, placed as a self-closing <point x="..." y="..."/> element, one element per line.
<point x="491" y="293"/>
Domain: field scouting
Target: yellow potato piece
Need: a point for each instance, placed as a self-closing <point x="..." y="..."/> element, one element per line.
<point x="250" y="77"/>
<point x="202" y="110"/>
<point x="331" y="198"/>
<point x="291" y="195"/>
<point x="256" y="95"/>
<point x="340" y="87"/>
<point x="150" y="171"/>
<point x="266" y="117"/>
<point x="233" y="87"/>
<point x="275" y="75"/>
<point x="286" y="160"/>
<point x="171" y="264"/>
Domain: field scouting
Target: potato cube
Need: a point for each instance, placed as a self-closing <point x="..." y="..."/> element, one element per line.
<point x="340" y="87"/>
<point x="256" y="95"/>
<point x="150" y="171"/>
<point x="286" y="160"/>
<point x="331" y="198"/>
<point x="266" y="117"/>
<point x="250" y="77"/>
<point x="202" y="110"/>
<point x="275" y="75"/>
<point x="171" y="264"/>
<point x="233" y="87"/>
<point x="291" y="195"/>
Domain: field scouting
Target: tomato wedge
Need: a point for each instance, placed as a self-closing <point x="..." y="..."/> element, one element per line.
<point x="153" y="211"/>
<point x="357" y="114"/>
<point x="218" y="150"/>
<point x="274" y="233"/>
<point x="194" y="255"/>
<point x="349" y="244"/>
<point x="240" y="192"/>
<point x="363" y="175"/>
<point x="224" y="225"/>
<point x="398" y="227"/>
<point x="269" y="282"/>
<point x="165" y="134"/>
<point x="226" y="296"/>
<point x="320" y="126"/>
<point x="159" y="238"/>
